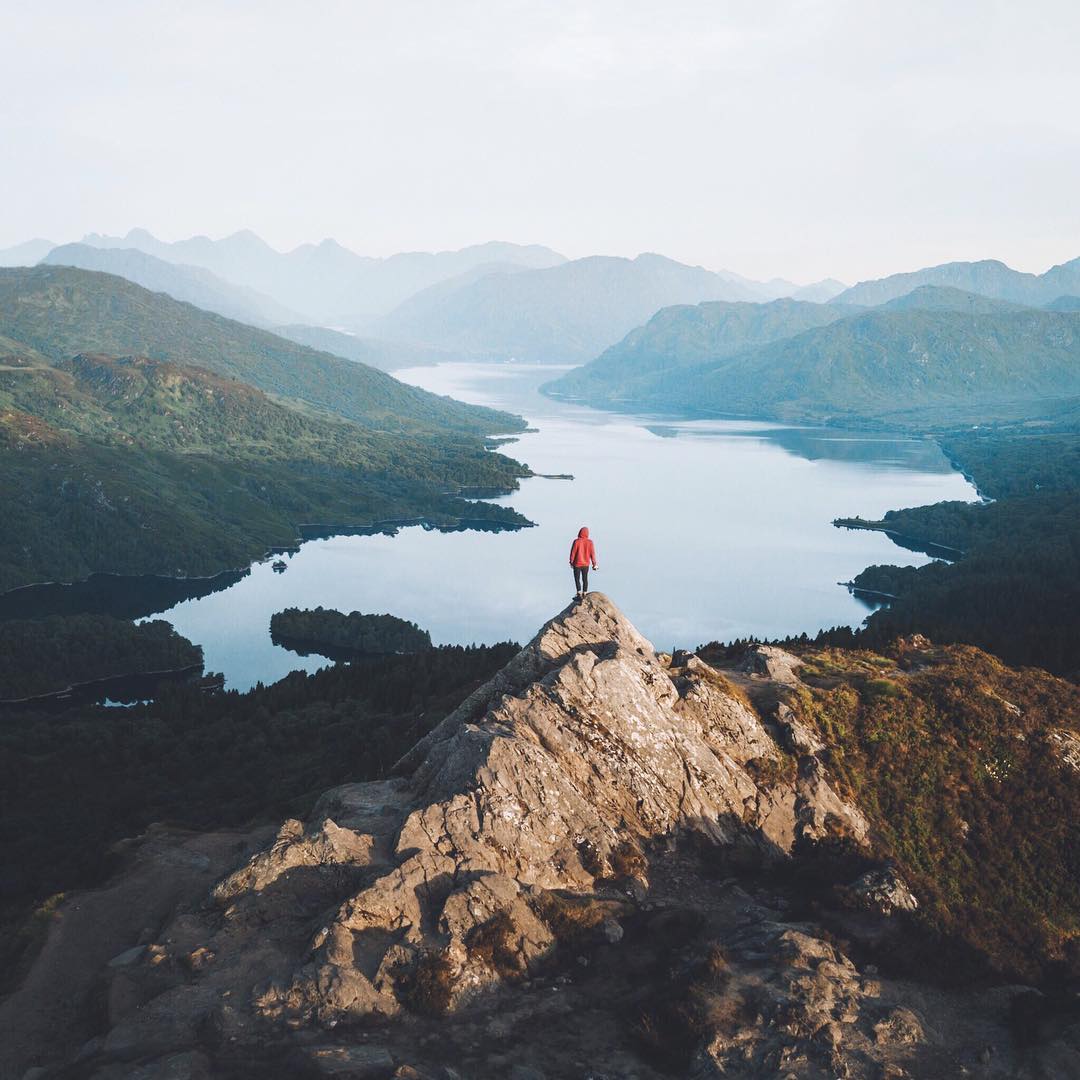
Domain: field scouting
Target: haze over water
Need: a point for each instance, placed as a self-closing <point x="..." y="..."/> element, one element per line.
<point x="704" y="529"/>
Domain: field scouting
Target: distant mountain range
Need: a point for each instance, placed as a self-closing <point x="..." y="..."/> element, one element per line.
<point x="986" y="278"/>
<point x="26" y="254"/>
<point x="325" y="282"/>
<point x="192" y="284"/>
<point x="935" y="356"/>
<point x="435" y="300"/>
<point x="387" y="355"/>
<point x="563" y="313"/>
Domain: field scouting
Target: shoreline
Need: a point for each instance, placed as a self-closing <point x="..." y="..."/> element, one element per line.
<point x="102" y="683"/>
<point x="911" y="543"/>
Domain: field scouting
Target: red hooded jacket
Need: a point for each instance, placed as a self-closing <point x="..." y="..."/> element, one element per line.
<point x="582" y="551"/>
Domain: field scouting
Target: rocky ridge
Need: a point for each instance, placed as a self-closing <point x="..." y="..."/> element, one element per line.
<point x="570" y="876"/>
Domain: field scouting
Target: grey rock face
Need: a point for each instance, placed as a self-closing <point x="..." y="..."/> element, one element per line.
<point x="772" y="662"/>
<point x="882" y="891"/>
<point x="520" y="830"/>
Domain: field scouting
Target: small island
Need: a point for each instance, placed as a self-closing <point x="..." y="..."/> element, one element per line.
<point x="345" y="637"/>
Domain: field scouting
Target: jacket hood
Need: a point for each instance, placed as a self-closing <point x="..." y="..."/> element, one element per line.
<point x="583" y="534"/>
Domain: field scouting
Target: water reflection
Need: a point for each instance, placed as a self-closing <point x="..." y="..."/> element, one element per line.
<point x="705" y="529"/>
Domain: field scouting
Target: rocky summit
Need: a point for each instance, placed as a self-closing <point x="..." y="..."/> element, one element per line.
<point x="604" y="864"/>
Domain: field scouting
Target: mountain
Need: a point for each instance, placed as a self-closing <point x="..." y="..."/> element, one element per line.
<point x="986" y="278"/>
<point x="820" y="291"/>
<point x="26" y="254"/>
<point x="563" y="313"/>
<point x="136" y="465"/>
<point x="386" y="355"/>
<point x="1064" y="303"/>
<point x="897" y="367"/>
<point x="604" y="854"/>
<point x="139" y="434"/>
<point x="326" y="282"/>
<point x="936" y="355"/>
<point x="681" y="337"/>
<point x="947" y="298"/>
<point x="60" y="311"/>
<point x="192" y="284"/>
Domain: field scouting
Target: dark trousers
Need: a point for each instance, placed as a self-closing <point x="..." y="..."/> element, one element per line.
<point x="581" y="578"/>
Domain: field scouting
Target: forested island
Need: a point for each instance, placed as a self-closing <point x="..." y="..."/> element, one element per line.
<point x="42" y="656"/>
<point x="341" y="637"/>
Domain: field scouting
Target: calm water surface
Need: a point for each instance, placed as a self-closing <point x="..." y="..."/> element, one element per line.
<point x="704" y="529"/>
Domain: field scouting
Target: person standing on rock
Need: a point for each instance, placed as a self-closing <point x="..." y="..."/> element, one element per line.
<point x="582" y="555"/>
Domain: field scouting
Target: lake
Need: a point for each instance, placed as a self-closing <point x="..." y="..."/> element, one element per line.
<point x="705" y="529"/>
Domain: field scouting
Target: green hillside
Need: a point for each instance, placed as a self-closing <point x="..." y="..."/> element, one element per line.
<point x="913" y="367"/>
<point x="686" y="336"/>
<point x="61" y="311"/>
<point x="142" y="466"/>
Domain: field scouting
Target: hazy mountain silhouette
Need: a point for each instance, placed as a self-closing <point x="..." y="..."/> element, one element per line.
<point x="989" y="277"/>
<point x="327" y="282"/>
<point x="192" y="284"/>
<point x="567" y="312"/>
<point x="26" y="253"/>
<point x="387" y="355"/>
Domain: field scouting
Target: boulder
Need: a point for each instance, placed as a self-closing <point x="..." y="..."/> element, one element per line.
<point x="773" y="663"/>
<point x="882" y="891"/>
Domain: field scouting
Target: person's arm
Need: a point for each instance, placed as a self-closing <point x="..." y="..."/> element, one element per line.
<point x="595" y="564"/>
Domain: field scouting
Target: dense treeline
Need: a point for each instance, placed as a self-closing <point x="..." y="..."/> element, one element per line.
<point x="74" y="783"/>
<point x="41" y="655"/>
<point x="1012" y="464"/>
<point x="1014" y="588"/>
<point x="353" y="633"/>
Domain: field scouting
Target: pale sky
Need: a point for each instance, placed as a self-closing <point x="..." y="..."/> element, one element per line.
<point x="797" y="138"/>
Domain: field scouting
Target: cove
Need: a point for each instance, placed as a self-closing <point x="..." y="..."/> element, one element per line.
<point x="705" y="529"/>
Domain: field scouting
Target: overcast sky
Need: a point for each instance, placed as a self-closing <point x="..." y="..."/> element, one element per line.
<point x="800" y="138"/>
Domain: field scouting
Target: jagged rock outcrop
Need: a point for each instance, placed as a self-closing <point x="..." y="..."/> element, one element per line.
<point x="551" y="777"/>
<point x="516" y="895"/>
